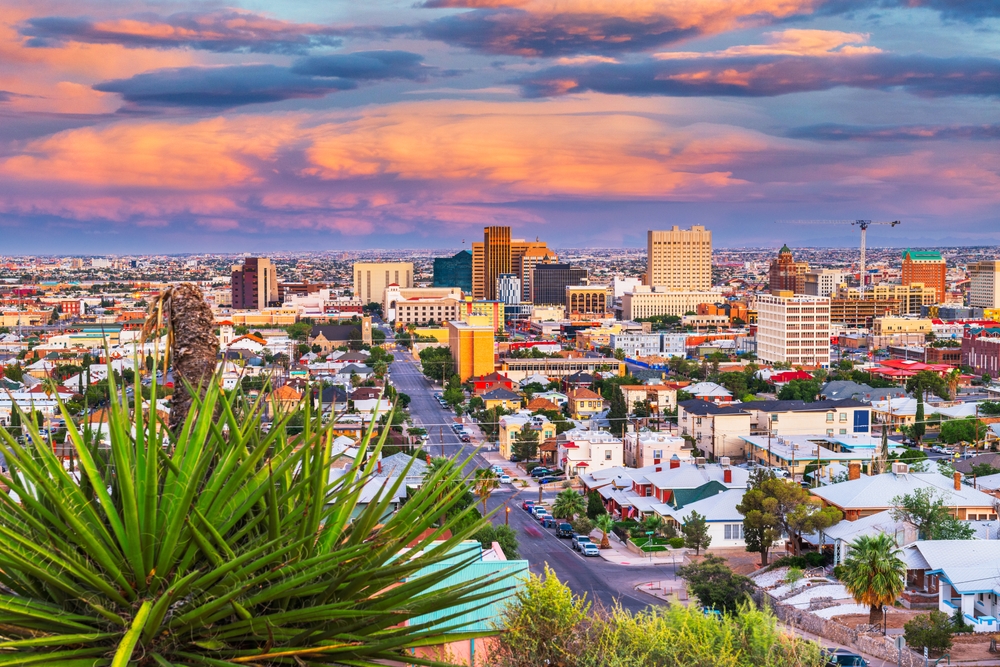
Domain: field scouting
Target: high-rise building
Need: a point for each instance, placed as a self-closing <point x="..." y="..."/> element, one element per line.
<point x="549" y="282"/>
<point x="984" y="284"/>
<point x="254" y="284"/>
<point x="454" y="271"/>
<point x="498" y="254"/>
<point x="371" y="279"/>
<point x="509" y="289"/>
<point x="823" y="282"/>
<point x="927" y="267"/>
<point x="911" y="297"/>
<point x="679" y="259"/>
<point x="786" y="274"/>
<point x="793" y="329"/>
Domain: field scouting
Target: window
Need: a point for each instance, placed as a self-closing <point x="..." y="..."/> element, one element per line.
<point x="843" y="431"/>
<point x="829" y="416"/>
<point x="843" y="417"/>
<point x="829" y="432"/>
<point x="607" y="455"/>
<point x="733" y="531"/>
<point x="657" y="453"/>
<point x="774" y="418"/>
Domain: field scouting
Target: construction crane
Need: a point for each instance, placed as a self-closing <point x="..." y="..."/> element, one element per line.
<point x="863" y="224"/>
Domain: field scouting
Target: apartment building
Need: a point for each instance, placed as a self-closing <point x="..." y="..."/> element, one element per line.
<point x="925" y="267"/>
<point x="648" y="448"/>
<point x="793" y="329"/>
<point x="254" y="284"/>
<point x="646" y="301"/>
<point x="984" y="284"/>
<point x="679" y="259"/>
<point x="650" y="344"/>
<point x="823" y="282"/>
<point x="580" y="451"/>
<point x="911" y="297"/>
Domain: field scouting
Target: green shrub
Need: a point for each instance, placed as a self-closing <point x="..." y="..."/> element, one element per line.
<point x="932" y="630"/>
<point x="838" y="571"/>
<point x="815" y="559"/>
<point x="676" y="542"/>
<point x="582" y="525"/>
<point x="789" y="561"/>
<point x="531" y="466"/>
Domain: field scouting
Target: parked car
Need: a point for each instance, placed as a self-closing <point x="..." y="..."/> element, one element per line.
<point x="537" y="509"/>
<point x="515" y="458"/>
<point x="549" y="480"/>
<point x="527" y="504"/>
<point x="505" y="479"/>
<point x="779" y="472"/>
<point x="540" y="471"/>
<point x="589" y="549"/>
<point x="564" y="530"/>
<point x="579" y="541"/>
<point x="465" y="437"/>
<point x="841" y="657"/>
<point x="497" y="469"/>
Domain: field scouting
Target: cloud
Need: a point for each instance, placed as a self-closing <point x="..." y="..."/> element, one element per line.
<point x="366" y="65"/>
<point x="229" y="86"/>
<point x="795" y="42"/>
<point x="767" y="76"/>
<point x="237" y="85"/>
<point x="223" y="31"/>
<point x="833" y="132"/>
<point x="959" y="10"/>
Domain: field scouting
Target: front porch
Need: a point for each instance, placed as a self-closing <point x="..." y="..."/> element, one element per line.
<point x="979" y="609"/>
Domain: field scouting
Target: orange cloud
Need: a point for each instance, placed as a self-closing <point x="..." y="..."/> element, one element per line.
<point x="790" y="43"/>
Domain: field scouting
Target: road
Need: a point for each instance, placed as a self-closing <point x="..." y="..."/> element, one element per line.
<point x="603" y="582"/>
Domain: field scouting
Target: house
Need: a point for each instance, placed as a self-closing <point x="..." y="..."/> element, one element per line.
<point x="864" y="495"/>
<point x="842" y="534"/>
<point x="709" y="391"/>
<point x="411" y="468"/>
<point x="535" y="379"/>
<point x="484" y="383"/>
<point x="965" y="465"/>
<point x="578" y="379"/>
<point x="658" y="398"/>
<point x="584" y="403"/>
<point x="645" y="448"/>
<point x="580" y="451"/>
<point x="537" y="403"/>
<point x="841" y="389"/>
<point x="332" y="398"/>
<point x="965" y="575"/>
<point x="332" y="336"/>
<point x="556" y="397"/>
<point x="501" y="397"/>
<point x="283" y="399"/>
<point x="511" y="425"/>
<point x="832" y="454"/>
<point x="723" y="520"/>
<point x="782" y="378"/>
<point x="679" y="483"/>
<point x="367" y="400"/>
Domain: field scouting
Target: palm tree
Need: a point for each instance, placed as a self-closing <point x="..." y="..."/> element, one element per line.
<point x="486" y="482"/>
<point x="873" y="573"/>
<point x="605" y="523"/>
<point x="654" y="522"/>
<point x="218" y="543"/>
<point x="568" y="505"/>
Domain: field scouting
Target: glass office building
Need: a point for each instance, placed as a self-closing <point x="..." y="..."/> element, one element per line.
<point x="455" y="271"/>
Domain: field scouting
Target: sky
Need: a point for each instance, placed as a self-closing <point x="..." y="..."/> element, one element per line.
<point x="146" y="127"/>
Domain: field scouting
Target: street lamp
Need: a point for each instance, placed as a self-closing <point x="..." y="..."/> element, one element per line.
<point x="506" y="516"/>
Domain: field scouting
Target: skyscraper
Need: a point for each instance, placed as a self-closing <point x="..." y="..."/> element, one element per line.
<point x="254" y="284"/>
<point x="498" y="254"/>
<point x="549" y="282"/>
<point x="786" y="274"/>
<point x="793" y="328"/>
<point x="454" y="271"/>
<point x="371" y="279"/>
<point x="984" y="284"/>
<point x="927" y="267"/>
<point x="509" y="289"/>
<point x="679" y="259"/>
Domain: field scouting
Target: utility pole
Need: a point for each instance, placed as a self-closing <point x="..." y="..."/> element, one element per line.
<point x="442" y="442"/>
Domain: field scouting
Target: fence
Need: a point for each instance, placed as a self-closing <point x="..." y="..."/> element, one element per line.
<point x="838" y="633"/>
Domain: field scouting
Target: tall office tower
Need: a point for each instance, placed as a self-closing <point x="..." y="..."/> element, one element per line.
<point x="509" y="289"/>
<point x="371" y="279"/>
<point x="793" y="328"/>
<point x="454" y="271"/>
<point x="549" y="283"/>
<point x="679" y="259"/>
<point x="786" y="274"/>
<point x="984" y="284"/>
<point x="823" y="282"/>
<point x="497" y="254"/>
<point x="927" y="267"/>
<point x="254" y="284"/>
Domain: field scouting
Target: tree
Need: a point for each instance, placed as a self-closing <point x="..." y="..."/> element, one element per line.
<point x="486" y="481"/>
<point x="436" y="362"/>
<point x="618" y="412"/>
<point x="13" y="372"/>
<point x="794" y="509"/>
<point x="715" y="585"/>
<point x="595" y="506"/>
<point x="932" y="630"/>
<point x="799" y="390"/>
<point x="928" y="382"/>
<point x="873" y="573"/>
<point x="984" y="470"/>
<point x="761" y="527"/>
<point x="695" y="530"/>
<point x="653" y="523"/>
<point x="504" y="535"/>
<point x="605" y="524"/>
<point x="568" y="505"/>
<point x="926" y="510"/>
<point x="526" y="443"/>
<point x="918" y="428"/>
<point x="960" y="430"/>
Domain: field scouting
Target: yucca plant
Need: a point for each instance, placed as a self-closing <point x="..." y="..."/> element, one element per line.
<point x="219" y="544"/>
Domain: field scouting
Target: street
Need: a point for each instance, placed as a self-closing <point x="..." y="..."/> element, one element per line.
<point x="604" y="583"/>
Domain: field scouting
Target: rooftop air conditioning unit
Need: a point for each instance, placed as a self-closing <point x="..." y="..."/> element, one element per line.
<point x="724" y="461"/>
<point x="900" y="468"/>
<point x="700" y="461"/>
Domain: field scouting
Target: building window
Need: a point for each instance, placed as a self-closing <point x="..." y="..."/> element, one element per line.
<point x="607" y="455"/>
<point x="733" y="531"/>
<point x="843" y="416"/>
<point x="657" y="453"/>
<point x="829" y="416"/>
<point x="843" y="431"/>
<point x="774" y="418"/>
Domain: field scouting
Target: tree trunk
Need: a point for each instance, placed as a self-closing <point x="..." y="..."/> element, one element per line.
<point x="874" y="614"/>
<point x="605" y="544"/>
<point x="763" y="557"/>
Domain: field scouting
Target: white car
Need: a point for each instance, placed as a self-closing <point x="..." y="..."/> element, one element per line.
<point x="590" y="549"/>
<point x="497" y="469"/>
<point x="505" y="479"/>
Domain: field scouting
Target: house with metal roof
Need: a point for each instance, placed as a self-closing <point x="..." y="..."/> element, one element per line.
<point x="965" y="574"/>
<point x="724" y="521"/>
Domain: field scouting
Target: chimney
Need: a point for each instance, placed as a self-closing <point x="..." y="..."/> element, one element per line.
<point x="958" y="480"/>
<point x="853" y="470"/>
<point x="380" y="466"/>
<point x="727" y="475"/>
<point x="675" y="462"/>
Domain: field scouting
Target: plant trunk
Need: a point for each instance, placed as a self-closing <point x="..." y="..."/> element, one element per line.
<point x="763" y="557"/>
<point x="605" y="544"/>
<point x="874" y="614"/>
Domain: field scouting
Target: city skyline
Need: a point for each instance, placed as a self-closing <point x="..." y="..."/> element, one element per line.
<point x="140" y="127"/>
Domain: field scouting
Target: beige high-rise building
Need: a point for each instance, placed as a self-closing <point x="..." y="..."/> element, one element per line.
<point x="794" y="329"/>
<point x="498" y="254"/>
<point x="679" y="259"/>
<point x="371" y="279"/>
<point x="911" y="297"/>
<point x="984" y="284"/>
<point x="254" y="284"/>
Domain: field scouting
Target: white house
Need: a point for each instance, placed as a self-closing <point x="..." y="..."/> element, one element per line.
<point x="725" y="523"/>
<point x="966" y="574"/>
<point x="580" y="451"/>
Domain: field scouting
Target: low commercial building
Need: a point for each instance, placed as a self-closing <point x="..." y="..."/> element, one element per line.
<point x="647" y="301"/>
<point x="901" y="325"/>
<point x="658" y="344"/>
<point x="580" y="451"/>
<point x="981" y="351"/>
<point x="651" y="448"/>
<point x="557" y="367"/>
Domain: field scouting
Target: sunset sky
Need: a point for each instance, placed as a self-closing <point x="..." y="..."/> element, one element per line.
<point x="200" y="127"/>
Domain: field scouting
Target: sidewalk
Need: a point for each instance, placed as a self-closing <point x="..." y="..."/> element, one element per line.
<point x="620" y="555"/>
<point x="669" y="590"/>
